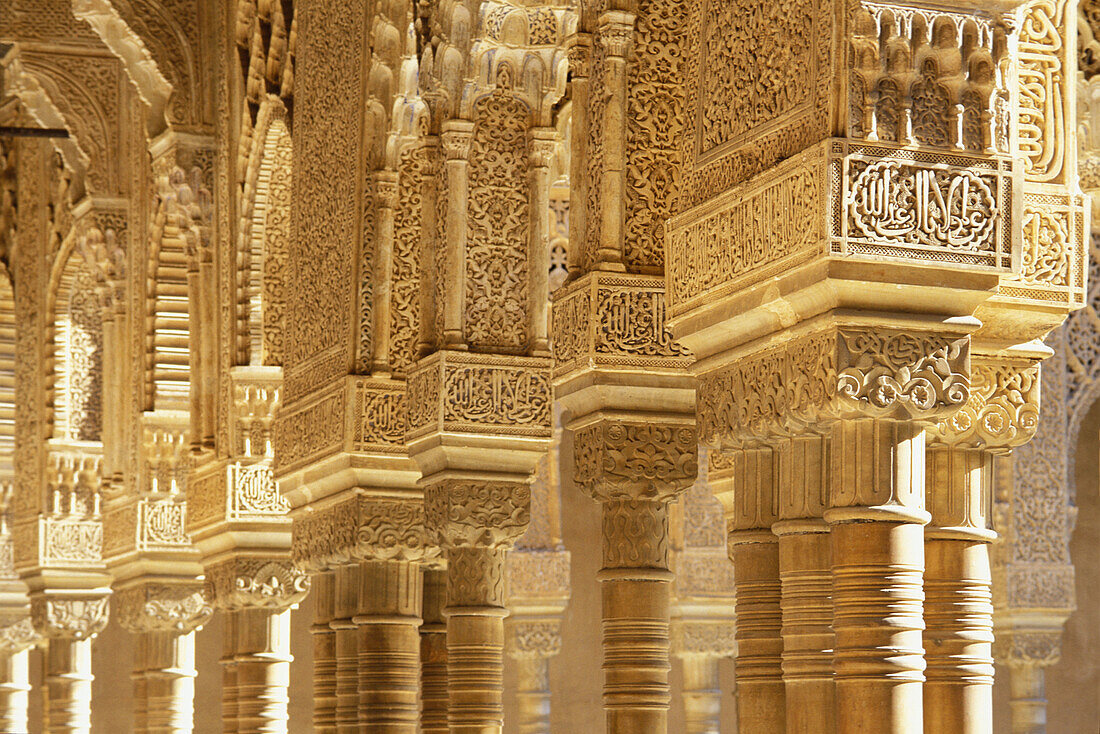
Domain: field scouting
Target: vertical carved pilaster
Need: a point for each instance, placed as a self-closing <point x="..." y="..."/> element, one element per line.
<point x="456" y="146"/>
<point x="541" y="143"/>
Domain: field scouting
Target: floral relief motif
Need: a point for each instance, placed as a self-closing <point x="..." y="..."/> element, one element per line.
<point x="883" y="372"/>
<point x="405" y="287"/>
<point x="1002" y="411"/>
<point x="498" y="224"/>
<point x="635" y="533"/>
<point x="761" y="46"/>
<point x="614" y="459"/>
<point x="391" y="530"/>
<point x="74" y="618"/>
<point x="477" y="514"/>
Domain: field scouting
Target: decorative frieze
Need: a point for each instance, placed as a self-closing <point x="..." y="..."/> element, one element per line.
<point x="611" y="321"/>
<point x="459" y="392"/>
<point x="847" y="200"/>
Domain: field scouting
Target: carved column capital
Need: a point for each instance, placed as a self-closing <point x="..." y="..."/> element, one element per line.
<point x="620" y="459"/>
<point x="244" y="583"/>
<point x="76" y="618"/>
<point x="180" y="608"/>
<point x="385" y="188"/>
<point x="1028" y="648"/>
<point x="392" y="530"/>
<point x="533" y="638"/>
<point x="477" y="514"/>
<point x="1002" y="411"/>
<point x="803" y="383"/>
<point x="579" y="51"/>
<point x="18" y="636"/>
<point x="616" y="33"/>
<point x="456" y="137"/>
<point x="542" y="143"/>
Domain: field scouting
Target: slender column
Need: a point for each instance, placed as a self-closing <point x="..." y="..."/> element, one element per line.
<point x="635" y="586"/>
<point x="475" y="639"/>
<point x="389" y="646"/>
<point x="263" y="669"/>
<point x="324" y="653"/>
<point x="69" y="626"/>
<point x="476" y="522"/>
<point x="433" y="654"/>
<point x="702" y="694"/>
<point x="258" y="594"/>
<point x="68" y="675"/>
<point x="163" y="618"/>
<point x="744" y="481"/>
<point x="806" y="580"/>
<point x="385" y="183"/>
<point x="532" y="641"/>
<point x="164" y="683"/>
<point x="16" y="640"/>
<point x="541" y="143"/>
<point x="345" y="605"/>
<point x="634" y="470"/>
<point x="533" y="694"/>
<point x="1028" y="699"/>
<point x="877" y="517"/>
<point x="456" y="144"/>
<point x="958" y="609"/>
<point x="15" y="686"/>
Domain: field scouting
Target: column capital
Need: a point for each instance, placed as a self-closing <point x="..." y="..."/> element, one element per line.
<point x="803" y="382"/>
<point x="69" y="617"/>
<point x="616" y="32"/>
<point x="635" y="458"/>
<point x="150" y="607"/>
<point x="1002" y="411"/>
<point x="18" y="636"/>
<point x="243" y="583"/>
<point x="455" y="138"/>
<point x="477" y="514"/>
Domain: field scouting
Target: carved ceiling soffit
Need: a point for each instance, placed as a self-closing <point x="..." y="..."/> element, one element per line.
<point x="802" y="384"/>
